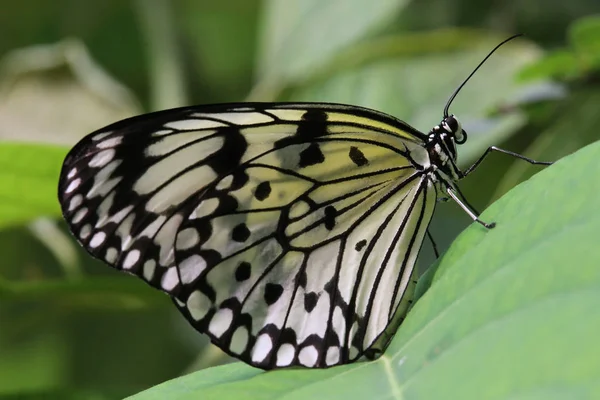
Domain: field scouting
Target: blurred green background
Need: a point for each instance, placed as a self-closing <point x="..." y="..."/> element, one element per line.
<point x="71" y="327"/>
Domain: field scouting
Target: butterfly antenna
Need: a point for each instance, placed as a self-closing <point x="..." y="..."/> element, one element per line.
<point x="475" y="70"/>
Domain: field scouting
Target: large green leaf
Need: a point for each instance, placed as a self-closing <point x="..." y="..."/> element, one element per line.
<point x="511" y="313"/>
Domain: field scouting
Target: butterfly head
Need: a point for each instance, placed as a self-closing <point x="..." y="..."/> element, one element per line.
<point x="441" y="144"/>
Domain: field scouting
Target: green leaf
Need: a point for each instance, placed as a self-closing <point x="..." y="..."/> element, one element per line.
<point x="575" y="62"/>
<point x="221" y="41"/>
<point x="512" y="312"/>
<point x="299" y="35"/>
<point x="28" y="179"/>
<point x="560" y="63"/>
<point x="585" y="36"/>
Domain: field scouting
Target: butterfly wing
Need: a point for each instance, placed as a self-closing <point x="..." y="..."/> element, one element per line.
<point x="286" y="232"/>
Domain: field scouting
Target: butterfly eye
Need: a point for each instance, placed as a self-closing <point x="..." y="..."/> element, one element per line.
<point x="453" y="127"/>
<point x="460" y="136"/>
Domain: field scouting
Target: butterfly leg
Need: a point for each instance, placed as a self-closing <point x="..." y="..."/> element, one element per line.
<point x="465" y="206"/>
<point x="499" y="150"/>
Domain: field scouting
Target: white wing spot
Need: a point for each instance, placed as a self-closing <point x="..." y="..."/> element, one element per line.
<point x="308" y="356"/>
<point x="285" y="355"/>
<point x="191" y="268"/>
<point x="198" y="305"/>
<point x="338" y="323"/>
<point x="72" y="173"/>
<point x="333" y="355"/>
<point x="85" y="231"/>
<point x="220" y="322"/>
<point x="162" y="132"/>
<point x="168" y="145"/>
<point x="239" y="340"/>
<point x="262" y="347"/>
<point x="97" y="239"/>
<point x="101" y="136"/>
<point x="353" y="352"/>
<point x="187" y="238"/>
<point x="148" y="269"/>
<point x="73" y="185"/>
<point x="111" y="255"/>
<point x="170" y="279"/>
<point x="75" y="202"/>
<point x="194" y="124"/>
<point x="112" y="142"/>
<point x="79" y="215"/>
<point x="124" y="232"/>
<point x="132" y="257"/>
<point x="225" y="183"/>
<point x="179" y="302"/>
<point x="152" y="228"/>
<point x="102" y="158"/>
<point x="205" y="208"/>
<point x="116" y="217"/>
<point x="240" y="117"/>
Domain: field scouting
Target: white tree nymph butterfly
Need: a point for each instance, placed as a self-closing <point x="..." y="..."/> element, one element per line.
<point x="286" y="232"/>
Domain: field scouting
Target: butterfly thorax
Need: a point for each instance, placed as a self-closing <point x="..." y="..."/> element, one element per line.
<point x="441" y="146"/>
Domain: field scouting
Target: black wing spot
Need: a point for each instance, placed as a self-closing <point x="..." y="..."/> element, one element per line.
<point x="330" y="214"/>
<point x="360" y="245"/>
<point x="240" y="233"/>
<point x="230" y="155"/>
<point x="312" y="155"/>
<point x="263" y="190"/>
<point x="310" y="301"/>
<point x="357" y="157"/>
<point x="273" y="292"/>
<point x="242" y="272"/>
<point x="312" y="125"/>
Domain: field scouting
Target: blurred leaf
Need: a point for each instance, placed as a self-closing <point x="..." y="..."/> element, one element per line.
<point x="57" y="94"/>
<point x="300" y="35"/>
<point x="575" y="62"/>
<point x="87" y="293"/>
<point x="60" y="243"/>
<point x="28" y="179"/>
<point x="168" y="87"/>
<point x="574" y="125"/>
<point x="499" y="301"/>
<point x="585" y="36"/>
<point x="32" y="364"/>
<point x="221" y="43"/>
<point x="559" y="63"/>
<point x="401" y="75"/>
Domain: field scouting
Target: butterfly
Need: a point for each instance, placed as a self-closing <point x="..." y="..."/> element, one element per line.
<point x="286" y="232"/>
